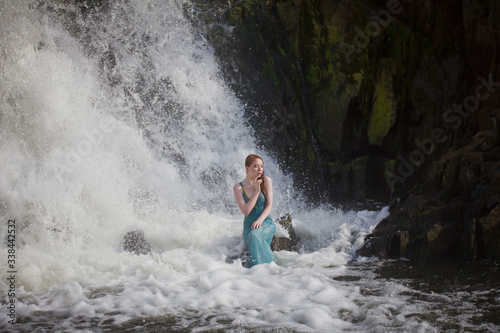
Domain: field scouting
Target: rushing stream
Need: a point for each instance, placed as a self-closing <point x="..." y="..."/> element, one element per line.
<point x="117" y="120"/>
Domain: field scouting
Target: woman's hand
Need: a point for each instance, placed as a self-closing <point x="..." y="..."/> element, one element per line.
<point x="256" y="224"/>
<point x="256" y="185"/>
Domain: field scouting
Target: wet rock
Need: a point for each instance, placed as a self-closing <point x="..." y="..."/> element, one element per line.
<point x="490" y="234"/>
<point x="135" y="242"/>
<point x="453" y="214"/>
<point x="289" y="243"/>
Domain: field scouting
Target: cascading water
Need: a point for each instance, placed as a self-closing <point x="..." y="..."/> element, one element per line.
<point x="115" y="120"/>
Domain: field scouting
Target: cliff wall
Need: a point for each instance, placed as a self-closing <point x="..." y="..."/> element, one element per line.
<point x="377" y="101"/>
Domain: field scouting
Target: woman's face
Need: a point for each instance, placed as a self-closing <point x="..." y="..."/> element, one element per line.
<point x="256" y="168"/>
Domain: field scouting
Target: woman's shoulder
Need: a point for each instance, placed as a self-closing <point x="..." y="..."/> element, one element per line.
<point x="267" y="180"/>
<point x="237" y="186"/>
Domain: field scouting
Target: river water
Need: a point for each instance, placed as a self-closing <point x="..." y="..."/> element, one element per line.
<point x="118" y="120"/>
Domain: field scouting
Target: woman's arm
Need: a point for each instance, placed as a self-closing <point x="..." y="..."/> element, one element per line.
<point x="269" y="203"/>
<point x="245" y="207"/>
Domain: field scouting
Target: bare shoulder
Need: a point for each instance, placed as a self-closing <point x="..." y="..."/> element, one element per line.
<point x="267" y="181"/>
<point x="236" y="187"/>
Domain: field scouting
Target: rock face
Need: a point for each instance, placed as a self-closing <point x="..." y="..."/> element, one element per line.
<point x="394" y="101"/>
<point x="134" y="242"/>
<point x="438" y="220"/>
<point x="285" y="243"/>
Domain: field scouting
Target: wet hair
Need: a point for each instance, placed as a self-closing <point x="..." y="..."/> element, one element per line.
<point x="248" y="161"/>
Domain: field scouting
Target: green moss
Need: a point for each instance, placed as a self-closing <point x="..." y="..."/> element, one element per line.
<point x="311" y="156"/>
<point x="434" y="233"/>
<point x="312" y="76"/>
<point x="383" y="112"/>
<point x="247" y="8"/>
<point x="389" y="167"/>
<point x="334" y="168"/>
<point x="404" y="241"/>
<point x="287" y="15"/>
<point x="354" y="164"/>
<point x="270" y="73"/>
<point x="283" y="53"/>
<point x="358" y="77"/>
<point x="335" y="30"/>
<point x="235" y="16"/>
<point x="312" y="47"/>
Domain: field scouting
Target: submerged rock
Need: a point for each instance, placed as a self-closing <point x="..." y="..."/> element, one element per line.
<point x="135" y="242"/>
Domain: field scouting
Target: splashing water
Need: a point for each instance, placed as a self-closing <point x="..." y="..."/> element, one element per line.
<point x="116" y="120"/>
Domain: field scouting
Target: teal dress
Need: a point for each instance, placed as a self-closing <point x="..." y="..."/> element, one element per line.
<point x="258" y="241"/>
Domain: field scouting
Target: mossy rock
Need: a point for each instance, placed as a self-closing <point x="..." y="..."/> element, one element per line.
<point x="490" y="234"/>
<point x="235" y="16"/>
<point x="384" y="110"/>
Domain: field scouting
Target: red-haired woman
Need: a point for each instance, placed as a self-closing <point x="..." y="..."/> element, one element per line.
<point x="254" y="196"/>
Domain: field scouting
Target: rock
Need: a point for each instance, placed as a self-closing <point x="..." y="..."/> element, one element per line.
<point x="135" y="242"/>
<point x="453" y="214"/>
<point x="285" y="243"/>
<point x="489" y="234"/>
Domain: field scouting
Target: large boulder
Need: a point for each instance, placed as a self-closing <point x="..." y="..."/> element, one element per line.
<point x="454" y="214"/>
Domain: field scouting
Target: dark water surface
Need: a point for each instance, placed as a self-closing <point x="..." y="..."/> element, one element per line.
<point x="451" y="296"/>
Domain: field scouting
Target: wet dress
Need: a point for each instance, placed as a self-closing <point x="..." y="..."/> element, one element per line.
<point x="258" y="241"/>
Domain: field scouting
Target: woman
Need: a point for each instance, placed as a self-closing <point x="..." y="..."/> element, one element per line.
<point x="254" y="196"/>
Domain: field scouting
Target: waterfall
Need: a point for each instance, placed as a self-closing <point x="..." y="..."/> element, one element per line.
<point x="120" y="121"/>
<point x="116" y="118"/>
